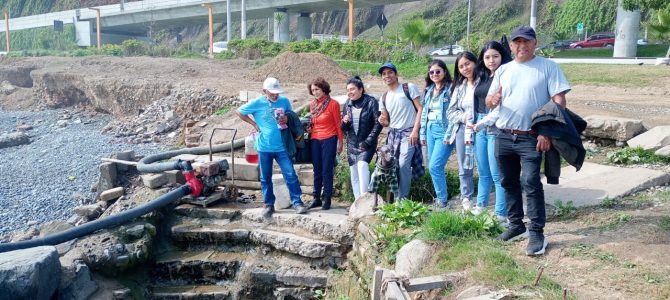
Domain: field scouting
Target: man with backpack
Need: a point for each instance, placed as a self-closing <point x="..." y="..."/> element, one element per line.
<point x="400" y="108"/>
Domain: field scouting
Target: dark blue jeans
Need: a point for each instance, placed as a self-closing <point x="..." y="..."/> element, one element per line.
<point x="290" y="177"/>
<point x="519" y="164"/>
<point x="323" y="160"/>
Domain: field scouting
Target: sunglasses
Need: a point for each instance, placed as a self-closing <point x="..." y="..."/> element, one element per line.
<point x="435" y="72"/>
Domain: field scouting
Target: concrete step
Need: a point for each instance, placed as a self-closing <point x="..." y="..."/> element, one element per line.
<point x="198" y="267"/>
<point x="212" y="212"/>
<point x="286" y="276"/>
<point x="221" y="232"/>
<point x="330" y="225"/>
<point x="188" y="292"/>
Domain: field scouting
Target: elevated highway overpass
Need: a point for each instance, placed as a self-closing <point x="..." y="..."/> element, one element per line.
<point x="135" y="18"/>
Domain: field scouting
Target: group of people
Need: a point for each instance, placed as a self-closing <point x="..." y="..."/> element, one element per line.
<point x="484" y="112"/>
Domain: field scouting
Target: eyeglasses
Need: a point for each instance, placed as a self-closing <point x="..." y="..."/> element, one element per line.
<point x="435" y="72"/>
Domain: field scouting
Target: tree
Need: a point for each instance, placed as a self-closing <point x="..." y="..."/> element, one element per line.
<point x="661" y="29"/>
<point x="279" y="17"/>
<point x="416" y="32"/>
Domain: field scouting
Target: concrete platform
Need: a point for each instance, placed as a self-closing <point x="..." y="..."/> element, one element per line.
<point x="595" y="182"/>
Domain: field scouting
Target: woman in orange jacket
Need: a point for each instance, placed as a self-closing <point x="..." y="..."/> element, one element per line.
<point x="325" y="139"/>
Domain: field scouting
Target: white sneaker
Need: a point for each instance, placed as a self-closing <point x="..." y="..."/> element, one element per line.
<point x="466" y="204"/>
<point x="477" y="210"/>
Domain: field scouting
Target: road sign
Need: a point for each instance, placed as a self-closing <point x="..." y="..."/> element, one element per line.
<point x="382" y="21"/>
<point x="580" y="27"/>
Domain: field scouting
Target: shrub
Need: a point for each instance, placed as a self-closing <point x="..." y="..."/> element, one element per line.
<point x="331" y="48"/>
<point x="111" y="49"/>
<point x="628" y="156"/>
<point x="82" y="52"/>
<point x="225" y="55"/>
<point x="311" y="45"/>
<point x="160" y="51"/>
<point x="404" y="213"/>
<point x="249" y="48"/>
<point x="133" y="47"/>
<point x="404" y="56"/>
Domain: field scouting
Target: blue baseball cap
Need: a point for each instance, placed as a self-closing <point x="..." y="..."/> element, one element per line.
<point x="388" y="65"/>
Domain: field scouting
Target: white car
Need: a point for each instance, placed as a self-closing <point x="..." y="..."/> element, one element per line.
<point x="219" y="47"/>
<point x="455" y="50"/>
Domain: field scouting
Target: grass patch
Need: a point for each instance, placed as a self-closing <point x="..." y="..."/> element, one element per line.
<point x="489" y="262"/>
<point x="664" y="223"/>
<point x="224" y="110"/>
<point x="637" y="155"/>
<point x="405" y="70"/>
<point x="564" y="211"/>
<point x="614" y="75"/>
<point x="446" y="225"/>
<point x="642" y="51"/>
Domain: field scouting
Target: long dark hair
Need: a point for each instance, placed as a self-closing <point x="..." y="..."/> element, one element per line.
<point x="458" y="77"/>
<point x="358" y="82"/>
<point x="482" y="71"/>
<point x="447" y="77"/>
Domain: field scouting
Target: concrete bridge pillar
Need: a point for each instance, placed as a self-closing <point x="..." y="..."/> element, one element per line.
<point x="627" y="28"/>
<point x="304" y="31"/>
<point x="282" y="34"/>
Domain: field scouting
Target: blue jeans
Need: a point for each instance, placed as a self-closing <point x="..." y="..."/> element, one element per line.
<point x="438" y="155"/>
<point x="323" y="160"/>
<point x="487" y="166"/>
<point x="290" y="177"/>
<point x="519" y="164"/>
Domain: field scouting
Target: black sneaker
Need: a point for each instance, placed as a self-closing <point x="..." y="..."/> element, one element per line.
<point x="537" y="244"/>
<point x="314" y="204"/>
<point x="510" y="234"/>
<point x="268" y="211"/>
<point x="300" y="209"/>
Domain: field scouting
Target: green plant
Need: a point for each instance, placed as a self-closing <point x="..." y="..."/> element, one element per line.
<point x="133" y="47"/>
<point x="111" y="49"/>
<point x="664" y="223"/>
<point x="404" y="213"/>
<point x="548" y="52"/>
<point x="447" y="225"/>
<point x="224" y="110"/>
<point x="564" y="211"/>
<point x="609" y="202"/>
<point x="628" y="156"/>
<point x="343" y="177"/>
<point x="224" y="55"/>
<point x="310" y="45"/>
<point x="320" y="294"/>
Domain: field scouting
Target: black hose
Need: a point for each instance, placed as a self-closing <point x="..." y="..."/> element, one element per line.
<point x="147" y="165"/>
<point x="107" y="222"/>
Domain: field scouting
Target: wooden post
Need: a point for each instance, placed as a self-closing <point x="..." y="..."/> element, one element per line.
<point x="7" y="29"/>
<point x="97" y="23"/>
<point x="376" y="293"/>
<point x="351" y="21"/>
<point x="211" y="29"/>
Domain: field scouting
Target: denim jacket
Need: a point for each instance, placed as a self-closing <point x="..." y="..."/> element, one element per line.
<point x="456" y="112"/>
<point x="444" y="104"/>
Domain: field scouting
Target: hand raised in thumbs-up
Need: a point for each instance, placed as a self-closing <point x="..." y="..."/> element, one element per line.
<point x="494" y="99"/>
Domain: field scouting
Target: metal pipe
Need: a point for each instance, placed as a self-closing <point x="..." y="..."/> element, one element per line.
<point x="533" y="17"/>
<point x="147" y="165"/>
<point x="211" y="29"/>
<point x="243" y="33"/>
<point x="228" y="25"/>
<point x="7" y="29"/>
<point x="351" y="21"/>
<point x="97" y="23"/>
<point x="111" y="221"/>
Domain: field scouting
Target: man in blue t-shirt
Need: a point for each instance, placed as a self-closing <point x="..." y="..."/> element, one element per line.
<point x="268" y="120"/>
<point x="520" y="88"/>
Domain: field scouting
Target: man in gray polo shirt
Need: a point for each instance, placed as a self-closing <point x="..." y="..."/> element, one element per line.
<point x="403" y="115"/>
<point x="520" y="88"/>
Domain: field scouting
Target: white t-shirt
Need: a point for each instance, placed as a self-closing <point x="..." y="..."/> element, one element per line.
<point x="401" y="110"/>
<point x="526" y="87"/>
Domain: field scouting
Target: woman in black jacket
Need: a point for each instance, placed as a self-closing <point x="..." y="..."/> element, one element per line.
<point x="359" y="123"/>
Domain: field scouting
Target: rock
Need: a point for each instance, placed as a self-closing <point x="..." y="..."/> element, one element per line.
<point x="473" y="291"/>
<point x="364" y="206"/>
<point x="413" y="257"/>
<point x="13" y="139"/>
<point x="126" y="156"/>
<point x="656" y="138"/>
<point x="111" y="194"/>
<point x="122" y="294"/>
<point x="77" y="283"/>
<point x="175" y="177"/>
<point x="32" y="273"/>
<point x="282" y="197"/>
<point x="665" y="151"/>
<point x="154" y="181"/>
<point x="61" y="123"/>
<point x="135" y="232"/>
<point x="26" y="235"/>
<point x="613" y="128"/>
<point x="107" y="178"/>
<point x="300" y="277"/>
<point x="23" y="128"/>
<point x="295" y="244"/>
<point x="169" y="115"/>
<point x="90" y="211"/>
<point x="6" y="87"/>
<point x="53" y="227"/>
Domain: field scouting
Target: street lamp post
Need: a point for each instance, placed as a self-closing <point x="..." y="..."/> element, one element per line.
<point x="211" y="28"/>
<point x="467" y="34"/>
<point x="7" y="29"/>
<point x="533" y="17"/>
<point x="351" y="21"/>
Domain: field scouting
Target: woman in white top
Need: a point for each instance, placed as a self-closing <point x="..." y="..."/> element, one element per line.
<point x="460" y="114"/>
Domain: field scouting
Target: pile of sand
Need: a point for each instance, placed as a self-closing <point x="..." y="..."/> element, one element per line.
<point x="300" y="68"/>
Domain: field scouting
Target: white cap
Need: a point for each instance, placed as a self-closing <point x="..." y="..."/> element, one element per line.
<point x="271" y="84"/>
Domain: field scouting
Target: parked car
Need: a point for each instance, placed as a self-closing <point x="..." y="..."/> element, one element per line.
<point x="642" y="42"/>
<point x="455" y="50"/>
<point x="596" y="40"/>
<point x="219" y="47"/>
<point x="558" y="45"/>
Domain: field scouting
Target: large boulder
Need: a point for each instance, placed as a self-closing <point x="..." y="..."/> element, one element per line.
<point x="77" y="283"/>
<point x="656" y="138"/>
<point x="665" y="151"/>
<point x="613" y="128"/>
<point x="413" y="257"/>
<point x="32" y="273"/>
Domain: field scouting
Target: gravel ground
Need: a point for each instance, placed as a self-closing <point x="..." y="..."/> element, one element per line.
<point x="44" y="180"/>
